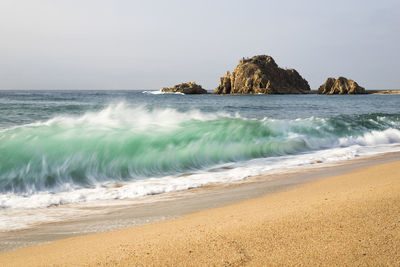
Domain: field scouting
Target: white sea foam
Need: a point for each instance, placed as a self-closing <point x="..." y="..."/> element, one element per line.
<point x="18" y="212"/>
<point x="162" y="93"/>
<point x="373" y="138"/>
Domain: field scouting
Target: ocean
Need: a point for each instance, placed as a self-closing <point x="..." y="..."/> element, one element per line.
<point x="65" y="149"/>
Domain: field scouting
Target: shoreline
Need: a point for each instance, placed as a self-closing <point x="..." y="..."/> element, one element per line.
<point x="176" y="204"/>
<point x="350" y="218"/>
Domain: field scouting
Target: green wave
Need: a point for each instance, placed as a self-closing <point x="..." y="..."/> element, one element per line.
<point x="122" y="144"/>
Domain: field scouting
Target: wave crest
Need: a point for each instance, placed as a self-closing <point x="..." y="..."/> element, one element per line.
<point x="122" y="143"/>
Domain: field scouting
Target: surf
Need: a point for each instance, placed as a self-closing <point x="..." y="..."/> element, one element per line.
<point x="121" y="143"/>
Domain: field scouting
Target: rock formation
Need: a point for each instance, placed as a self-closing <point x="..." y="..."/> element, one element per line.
<point x="186" y="88"/>
<point x="341" y="86"/>
<point x="261" y="75"/>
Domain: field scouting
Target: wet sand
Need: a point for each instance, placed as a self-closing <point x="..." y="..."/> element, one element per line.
<point x="350" y="219"/>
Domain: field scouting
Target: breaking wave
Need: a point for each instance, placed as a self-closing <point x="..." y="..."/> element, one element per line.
<point x="121" y="144"/>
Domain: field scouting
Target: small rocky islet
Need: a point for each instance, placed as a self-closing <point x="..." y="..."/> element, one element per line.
<point x="261" y="75"/>
<point x="188" y="88"/>
<point x="341" y="86"/>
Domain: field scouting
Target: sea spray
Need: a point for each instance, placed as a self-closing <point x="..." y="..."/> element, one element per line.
<point x="124" y="144"/>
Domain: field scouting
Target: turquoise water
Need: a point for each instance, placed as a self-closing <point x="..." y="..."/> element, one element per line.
<point x="59" y="142"/>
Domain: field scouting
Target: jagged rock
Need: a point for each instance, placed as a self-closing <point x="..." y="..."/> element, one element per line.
<point x="261" y="75"/>
<point x="186" y="88"/>
<point x="340" y="86"/>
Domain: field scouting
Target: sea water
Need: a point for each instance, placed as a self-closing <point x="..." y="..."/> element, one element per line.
<point x="64" y="148"/>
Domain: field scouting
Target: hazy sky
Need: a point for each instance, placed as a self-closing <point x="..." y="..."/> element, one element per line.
<point x="122" y="44"/>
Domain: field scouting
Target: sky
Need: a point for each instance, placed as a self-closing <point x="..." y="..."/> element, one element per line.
<point x="128" y="44"/>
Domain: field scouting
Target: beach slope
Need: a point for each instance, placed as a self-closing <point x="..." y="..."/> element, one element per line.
<point x="351" y="219"/>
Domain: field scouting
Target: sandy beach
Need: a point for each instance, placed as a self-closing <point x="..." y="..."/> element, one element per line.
<point x="350" y="219"/>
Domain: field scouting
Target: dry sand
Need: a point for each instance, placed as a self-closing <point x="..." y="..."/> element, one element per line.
<point x="351" y="219"/>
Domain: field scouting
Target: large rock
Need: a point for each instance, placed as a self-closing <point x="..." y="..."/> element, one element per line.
<point x="340" y="86"/>
<point x="261" y="75"/>
<point x="186" y="88"/>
